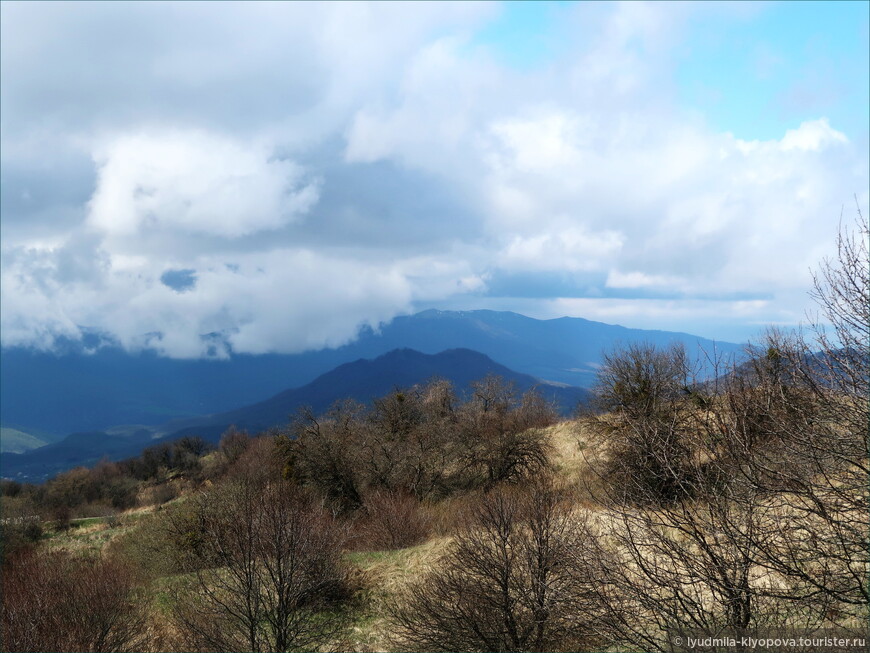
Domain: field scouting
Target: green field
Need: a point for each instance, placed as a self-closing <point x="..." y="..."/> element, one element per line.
<point x="15" y="441"/>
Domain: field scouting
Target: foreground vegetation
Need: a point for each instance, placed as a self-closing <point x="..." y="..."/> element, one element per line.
<point x="732" y="504"/>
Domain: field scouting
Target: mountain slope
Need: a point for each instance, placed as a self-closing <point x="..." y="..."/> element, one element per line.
<point x="565" y="350"/>
<point x="74" y="450"/>
<point x="362" y="380"/>
<point x="365" y="380"/>
<point x="73" y="391"/>
<point x="15" y="441"/>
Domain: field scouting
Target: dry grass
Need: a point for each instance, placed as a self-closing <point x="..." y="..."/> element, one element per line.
<point x="386" y="573"/>
<point x="576" y="455"/>
<point x="576" y="452"/>
<point x="94" y="534"/>
<point x="91" y="537"/>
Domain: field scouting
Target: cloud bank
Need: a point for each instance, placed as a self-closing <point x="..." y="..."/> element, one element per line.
<point x="207" y="179"/>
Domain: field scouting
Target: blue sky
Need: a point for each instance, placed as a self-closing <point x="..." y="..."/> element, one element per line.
<point x="280" y="174"/>
<point x="755" y="72"/>
<point x="783" y="64"/>
<point x="525" y="34"/>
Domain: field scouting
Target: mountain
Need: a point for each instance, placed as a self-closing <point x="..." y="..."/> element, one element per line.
<point x="563" y="350"/>
<point x="363" y="380"/>
<point x="70" y="391"/>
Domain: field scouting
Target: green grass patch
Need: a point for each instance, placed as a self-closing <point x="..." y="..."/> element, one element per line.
<point x="82" y="522"/>
<point x="366" y="559"/>
<point x="15" y="441"/>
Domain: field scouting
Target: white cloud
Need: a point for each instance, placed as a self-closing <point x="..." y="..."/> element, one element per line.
<point x="284" y="300"/>
<point x="812" y="135"/>
<point x="444" y="94"/>
<point x="570" y="249"/>
<point x="618" y="279"/>
<point x="681" y="202"/>
<point x="194" y="182"/>
<point x="312" y="146"/>
<point x="547" y="144"/>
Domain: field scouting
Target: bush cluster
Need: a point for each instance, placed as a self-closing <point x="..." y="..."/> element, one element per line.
<point x="422" y="441"/>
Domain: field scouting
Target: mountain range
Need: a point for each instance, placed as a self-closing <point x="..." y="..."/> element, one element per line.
<point x="51" y="394"/>
<point x="363" y="380"/>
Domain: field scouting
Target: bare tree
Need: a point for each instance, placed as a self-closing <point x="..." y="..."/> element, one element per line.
<point x="325" y="453"/>
<point x="841" y="288"/>
<point x="502" y="431"/>
<point x="688" y="528"/>
<point x="268" y="572"/>
<point x="233" y="444"/>
<point x="410" y="441"/>
<point x="648" y="426"/>
<point x="421" y="458"/>
<point x="510" y="582"/>
<point x="815" y="421"/>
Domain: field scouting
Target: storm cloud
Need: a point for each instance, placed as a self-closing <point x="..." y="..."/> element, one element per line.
<point x="299" y="170"/>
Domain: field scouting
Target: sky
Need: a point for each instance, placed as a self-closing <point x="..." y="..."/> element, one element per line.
<point x="205" y="178"/>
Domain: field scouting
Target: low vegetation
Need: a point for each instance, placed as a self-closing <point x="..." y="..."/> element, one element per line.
<point x="429" y="523"/>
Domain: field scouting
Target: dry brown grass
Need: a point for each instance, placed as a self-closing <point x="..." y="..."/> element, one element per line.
<point x="386" y="574"/>
<point x="577" y="453"/>
<point x="92" y="537"/>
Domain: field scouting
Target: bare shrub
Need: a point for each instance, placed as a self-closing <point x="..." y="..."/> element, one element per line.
<point x="163" y="493"/>
<point x="502" y="431"/>
<point x="511" y="582"/>
<point x="268" y="571"/>
<point x="261" y="461"/>
<point x="61" y="518"/>
<point x="391" y="520"/>
<point x="20" y="526"/>
<point x="649" y="424"/>
<point x="58" y="602"/>
<point x="233" y="444"/>
<point x="325" y="453"/>
<point x="152" y="547"/>
<point x="410" y="442"/>
<point x="449" y="515"/>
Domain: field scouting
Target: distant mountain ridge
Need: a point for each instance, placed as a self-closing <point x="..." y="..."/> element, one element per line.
<point x="363" y="380"/>
<point x="60" y="394"/>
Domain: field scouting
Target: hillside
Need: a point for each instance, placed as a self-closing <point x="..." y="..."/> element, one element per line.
<point x="85" y="448"/>
<point x="362" y="380"/>
<point x="425" y="506"/>
<point x="15" y="441"/>
<point x="365" y="380"/>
